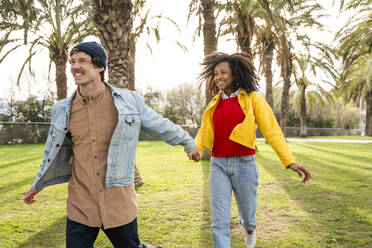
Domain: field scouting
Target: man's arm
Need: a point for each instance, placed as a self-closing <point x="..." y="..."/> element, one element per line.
<point x="157" y="126"/>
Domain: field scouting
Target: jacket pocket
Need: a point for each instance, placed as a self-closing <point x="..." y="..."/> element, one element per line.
<point x="132" y="126"/>
<point x="244" y="134"/>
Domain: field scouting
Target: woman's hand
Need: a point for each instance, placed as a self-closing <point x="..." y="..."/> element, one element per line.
<point x="194" y="154"/>
<point x="300" y="171"/>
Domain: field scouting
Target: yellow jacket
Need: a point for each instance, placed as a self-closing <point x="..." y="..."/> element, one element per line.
<point x="257" y="112"/>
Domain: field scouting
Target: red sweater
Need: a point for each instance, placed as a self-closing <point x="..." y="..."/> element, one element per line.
<point x="227" y="115"/>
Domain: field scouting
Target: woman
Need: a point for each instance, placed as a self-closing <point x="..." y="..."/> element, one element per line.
<point x="229" y="130"/>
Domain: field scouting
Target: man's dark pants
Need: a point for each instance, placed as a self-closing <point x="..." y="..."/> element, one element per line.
<point x="82" y="236"/>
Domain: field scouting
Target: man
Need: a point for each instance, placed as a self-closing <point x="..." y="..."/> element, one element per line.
<point x="92" y="144"/>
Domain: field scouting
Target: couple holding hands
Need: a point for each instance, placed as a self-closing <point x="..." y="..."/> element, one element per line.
<point x="93" y="139"/>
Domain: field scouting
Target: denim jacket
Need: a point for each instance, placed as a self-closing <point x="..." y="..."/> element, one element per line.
<point x="56" y="166"/>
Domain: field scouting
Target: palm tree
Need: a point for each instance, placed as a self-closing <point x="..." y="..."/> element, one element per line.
<point x="281" y="19"/>
<point x="355" y="46"/>
<point x="302" y="83"/>
<point x="114" y="21"/>
<point x="266" y="40"/>
<point x="240" y="20"/>
<point x="265" y="50"/>
<point x="250" y="20"/>
<point x="54" y="24"/>
<point x="285" y="73"/>
<point x="302" y="13"/>
<point x="304" y="65"/>
<point x="205" y="10"/>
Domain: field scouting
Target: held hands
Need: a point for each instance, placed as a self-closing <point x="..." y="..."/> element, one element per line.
<point x="300" y="169"/>
<point x="194" y="154"/>
<point x="28" y="198"/>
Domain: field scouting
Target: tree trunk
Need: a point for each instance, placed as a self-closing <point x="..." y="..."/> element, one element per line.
<point x="209" y="35"/>
<point x="303" y="124"/>
<point x="61" y="78"/>
<point x="268" y="54"/>
<point x="210" y="45"/>
<point x="286" y="70"/>
<point x="244" y="32"/>
<point x="284" y="108"/>
<point x="369" y="114"/>
<point x="137" y="177"/>
<point x="114" y="22"/>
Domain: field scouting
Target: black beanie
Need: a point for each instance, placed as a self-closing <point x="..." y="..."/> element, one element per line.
<point x="94" y="49"/>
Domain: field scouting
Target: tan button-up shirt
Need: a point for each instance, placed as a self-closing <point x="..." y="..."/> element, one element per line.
<point x="89" y="202"/>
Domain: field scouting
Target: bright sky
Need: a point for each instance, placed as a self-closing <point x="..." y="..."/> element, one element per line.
<point x="167" y="66"/>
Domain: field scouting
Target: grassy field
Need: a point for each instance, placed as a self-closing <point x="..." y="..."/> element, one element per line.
<point x="333" y="210"/>
<point x="338" y="137"/>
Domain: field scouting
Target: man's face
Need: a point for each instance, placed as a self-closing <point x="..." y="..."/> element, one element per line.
<point x="82" y="69"/>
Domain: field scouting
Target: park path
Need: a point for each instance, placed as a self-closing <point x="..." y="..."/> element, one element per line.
<point x="326" y="140"/>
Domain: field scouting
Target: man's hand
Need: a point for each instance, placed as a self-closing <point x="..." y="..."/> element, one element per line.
<point x="300" y="169"/>
<point x="194" y="154"/>
<point x="28" y="198"/>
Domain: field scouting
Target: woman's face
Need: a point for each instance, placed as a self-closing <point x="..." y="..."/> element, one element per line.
<point x="223" y="77"/>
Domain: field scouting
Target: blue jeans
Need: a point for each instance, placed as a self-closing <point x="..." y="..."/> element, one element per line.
<point x="227" y="174"/>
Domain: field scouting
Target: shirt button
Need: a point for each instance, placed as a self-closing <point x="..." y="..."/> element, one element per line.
<point x="57" y="145"/>
<point x="97" y="173"/>
<point x="95" y="156"/>
<point x="94" y="140"/>
<point x="100" y="190"/>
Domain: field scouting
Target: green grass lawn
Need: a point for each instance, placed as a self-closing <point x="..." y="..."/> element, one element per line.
<point x="337" y="137"/>
<point x="333" y="210"/>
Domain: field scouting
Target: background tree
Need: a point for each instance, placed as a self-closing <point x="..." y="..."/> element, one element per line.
<point x="117" y="33"/>
<point x="355" y="48"/>
<point x="30" y="110"/>
<point x="184" y="105"/>
<point x="265" y="49"/>
<point x="321" y="113"/>
<point x="205" y="11"/>
<point x="114" y="21"/>
<point x="305" y="67"/>
<point x="295" y="15"/>
<point x="240" y="21"/>
<point x="55" y="25"/>
<point x="154" y="99"/>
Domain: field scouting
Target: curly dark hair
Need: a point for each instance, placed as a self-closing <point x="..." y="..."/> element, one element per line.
<point x="243" y="71"/>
